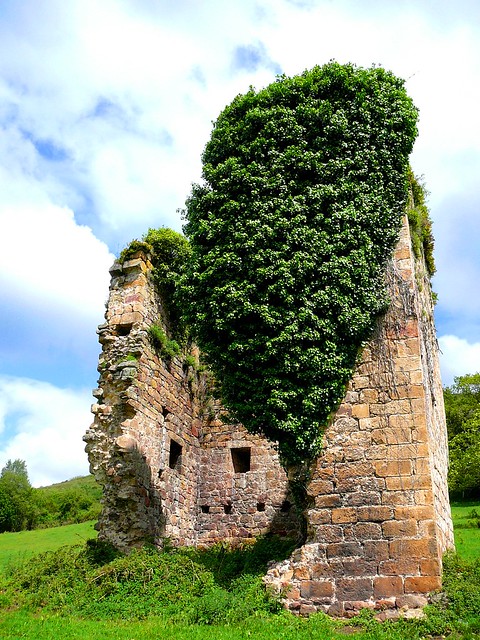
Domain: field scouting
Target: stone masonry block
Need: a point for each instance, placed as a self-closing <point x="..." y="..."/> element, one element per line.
<point x="315" y="589"/>
<point x="386" y="587"/>
<point x="344" y="515"/>
<point x="374" y="514"/>
<point x="354" y="589"/>
<point x="412" y="548"/>
<point x="422" y="584"/>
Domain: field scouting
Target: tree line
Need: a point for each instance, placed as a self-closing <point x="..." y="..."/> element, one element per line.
<point x="25" y="507"/>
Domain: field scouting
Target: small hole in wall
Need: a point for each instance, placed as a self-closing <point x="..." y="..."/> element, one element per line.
<point x="205" y="508"/>
<point x="175" y="455"/>
<point x="123" y="329"/>
<point x="241" y="459"/>
<point x="227" y="508"/>
<point x="165" y="412"/>
<point x="260" y="506"/>
<point x="128" y="411"/>
<point x="286" y="506"/>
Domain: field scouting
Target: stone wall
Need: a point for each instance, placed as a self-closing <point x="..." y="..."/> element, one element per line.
<point x="379" y="517"/>
<point x="169" y="466"/>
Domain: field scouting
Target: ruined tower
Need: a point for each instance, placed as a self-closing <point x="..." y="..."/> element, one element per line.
<point x="378" y="520"/>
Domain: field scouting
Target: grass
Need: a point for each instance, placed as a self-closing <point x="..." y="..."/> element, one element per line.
<point x="466" y="520"/>
<point x="17" y="547"/>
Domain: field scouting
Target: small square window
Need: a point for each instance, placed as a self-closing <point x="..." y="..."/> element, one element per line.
<point x="241" y="459"/>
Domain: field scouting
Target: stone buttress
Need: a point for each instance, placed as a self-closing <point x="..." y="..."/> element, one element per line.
<point x="379" y="519"/>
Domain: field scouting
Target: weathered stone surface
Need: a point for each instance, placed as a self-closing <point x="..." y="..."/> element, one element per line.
<point x="378" y="519"/>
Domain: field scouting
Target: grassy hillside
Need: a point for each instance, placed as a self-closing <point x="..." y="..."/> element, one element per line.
<point x="16" y="547"/>
<point x="76" y="500"/>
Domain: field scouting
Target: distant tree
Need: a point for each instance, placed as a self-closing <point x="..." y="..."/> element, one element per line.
<point x="462" y="399"/>
<point x="16" y="466"/>
<point x="17" y="503"/>
<point x="462" y="409"/>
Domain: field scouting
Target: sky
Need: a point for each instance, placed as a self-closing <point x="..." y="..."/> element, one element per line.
<point x="105" y="108"/>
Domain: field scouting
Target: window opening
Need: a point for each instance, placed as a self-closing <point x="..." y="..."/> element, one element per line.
<point x="205" y="508"/>
<point x="227" y="508"/>
<point x="123" y="329"/>
<point x="260" y="506"/>
<point x="175" y="456"/>
<point x="286" y="506"/>
<point x="241" y="459"/>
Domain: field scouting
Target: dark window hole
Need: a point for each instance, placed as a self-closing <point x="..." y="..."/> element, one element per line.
<point x="205" y="508"/>
<point x="165" y="412"/>
<point x="260" y="506"/>
<point x="227" y="508"/>
<point x="123" y="329"/>
<point x="128" y="411"/>
<point x="175" y="456"/>
<point x="286" y="506"/>
<point x="241" y="459"/>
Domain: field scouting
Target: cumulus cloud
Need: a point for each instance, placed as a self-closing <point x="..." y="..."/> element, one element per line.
<point x="43" y="425"/>
<point x="458" y="357"/>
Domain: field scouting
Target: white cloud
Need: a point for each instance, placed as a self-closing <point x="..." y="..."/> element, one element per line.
<point x="44" y="425"/>
<point x="458" y="357"/>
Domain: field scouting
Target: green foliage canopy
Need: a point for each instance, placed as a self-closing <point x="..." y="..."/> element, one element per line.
<point x="17" y="510"/>
<point x="462" y="409"/>
<point x="170" y="252"/>
<point x="305" y="183"/>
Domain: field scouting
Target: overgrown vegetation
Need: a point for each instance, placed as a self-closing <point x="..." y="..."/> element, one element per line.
<point x="462" y="408"/>
<point x="189" y="593"/>
<point x="166" y="347"/>
<point x="305" y="184"/>
<point x="420" y="222"/>
<point x="170" y="253"/>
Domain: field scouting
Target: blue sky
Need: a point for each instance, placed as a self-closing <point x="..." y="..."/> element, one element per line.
<point x="105" y="108"/>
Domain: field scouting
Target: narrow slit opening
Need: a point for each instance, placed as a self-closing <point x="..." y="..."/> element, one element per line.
<point x="175" y="455"/>
<point x="286" y="506"/>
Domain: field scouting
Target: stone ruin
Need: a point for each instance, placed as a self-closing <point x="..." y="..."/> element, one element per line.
<point x="378" y="517"/>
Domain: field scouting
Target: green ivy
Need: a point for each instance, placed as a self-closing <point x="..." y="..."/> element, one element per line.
<point x="170" y="253"/>
<point x="420" y="223"/>
<point x="304" y="187"/>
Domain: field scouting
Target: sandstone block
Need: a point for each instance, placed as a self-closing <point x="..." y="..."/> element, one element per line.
<point x="422" y="584"/>
<point x="386" y="587"/>
<point x="344" y="515"/>
<point x="400" y="528"/>
<point x="412" y="548"/>
<point x="315" y="589"/>
<point x="354" y="589"/>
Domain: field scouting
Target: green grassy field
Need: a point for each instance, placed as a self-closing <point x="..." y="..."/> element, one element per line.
<point x="466" y="521"/>
<point x="16" y="547"/>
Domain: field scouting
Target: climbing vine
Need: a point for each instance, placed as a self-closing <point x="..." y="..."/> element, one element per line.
<point x="304" y="186"/>
<point x="420" y="222"/>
